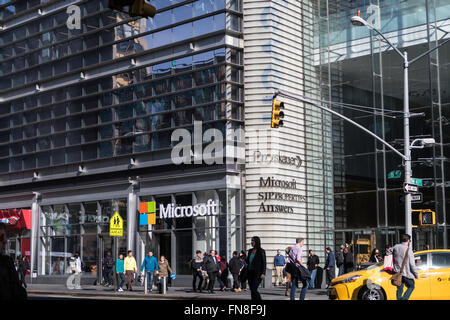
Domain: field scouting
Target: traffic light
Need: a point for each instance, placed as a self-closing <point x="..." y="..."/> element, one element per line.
<point x="277" y="114"/>
<point x="136" y="7"/>
<point x="423" y="218"/>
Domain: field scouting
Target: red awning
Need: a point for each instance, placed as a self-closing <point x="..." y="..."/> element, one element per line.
<point x="24" y="216"/>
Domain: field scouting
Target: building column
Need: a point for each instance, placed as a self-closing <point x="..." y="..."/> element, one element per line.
<point x="34" y="250"/>
<point x="131" y="219"/>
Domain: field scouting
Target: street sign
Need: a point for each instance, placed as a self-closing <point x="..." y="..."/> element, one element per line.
<point x="417" y="198"/>
<point x="116" y="225"/>
<point x="394" y="174"/>
<point x="410" y="188"/>
<point x="416" y="181"/>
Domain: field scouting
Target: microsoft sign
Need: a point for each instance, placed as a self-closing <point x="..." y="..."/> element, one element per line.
<point x="148" y="211"/>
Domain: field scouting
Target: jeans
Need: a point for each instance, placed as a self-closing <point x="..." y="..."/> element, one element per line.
<point x="330" y="275"/>
<point x="409" y="283"/>
<point x="149" y="275"/>
<point x="120" y="280"/>
<point x="236" y="284"/>
<point x="313" y="278"/>
<point x="254" y="280"/>
<point x="108" y="275"/>
<point x="195" y="275"/>
<point x="77" y="277"/>
<point x="294" y="288"/>
<point x="341" y="270"/>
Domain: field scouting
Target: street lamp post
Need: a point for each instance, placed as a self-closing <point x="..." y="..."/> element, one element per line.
<point x="358" y="21"/>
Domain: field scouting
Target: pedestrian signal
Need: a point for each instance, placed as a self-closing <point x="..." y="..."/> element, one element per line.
<point x="423" y="218"/>
<point x="277" y="114"/>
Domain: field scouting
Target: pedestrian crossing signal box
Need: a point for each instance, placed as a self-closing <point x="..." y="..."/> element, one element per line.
<point x="423" y="218"/>
<point x="116" y="226"/>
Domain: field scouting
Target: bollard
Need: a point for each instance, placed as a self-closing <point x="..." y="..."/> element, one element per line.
<point x="164" y="279"/>
<point x="145" y="284"/>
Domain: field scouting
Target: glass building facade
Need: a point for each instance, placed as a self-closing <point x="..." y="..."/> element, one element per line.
<point x="80" y="108"/>
<point x="363" y="78"/>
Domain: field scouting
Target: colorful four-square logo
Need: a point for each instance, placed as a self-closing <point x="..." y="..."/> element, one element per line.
<point x="147" y="212"/>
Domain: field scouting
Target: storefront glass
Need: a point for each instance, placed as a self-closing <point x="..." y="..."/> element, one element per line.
<point x="81" y="228"/>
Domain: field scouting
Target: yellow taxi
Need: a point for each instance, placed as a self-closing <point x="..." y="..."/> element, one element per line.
<point x="373" y="283"/>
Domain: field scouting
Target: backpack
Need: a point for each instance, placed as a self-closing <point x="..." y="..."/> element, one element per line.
<point x="109" y="263"/>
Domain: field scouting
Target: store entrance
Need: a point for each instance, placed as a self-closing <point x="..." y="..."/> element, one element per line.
<point x="113" y="245"/>
<point x="161" y="245"/>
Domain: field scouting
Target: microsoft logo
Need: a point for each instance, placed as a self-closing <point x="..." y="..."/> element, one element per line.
<point x="147" y="212"/>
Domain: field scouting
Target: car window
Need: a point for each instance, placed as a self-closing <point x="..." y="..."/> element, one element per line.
<point x="440" y="260"/>
<point x="421" y="261"/>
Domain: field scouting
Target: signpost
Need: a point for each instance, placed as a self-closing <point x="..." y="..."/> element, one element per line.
<point x="116" y="225"/>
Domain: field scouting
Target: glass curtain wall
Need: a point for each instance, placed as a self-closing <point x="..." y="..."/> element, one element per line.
<point x="363" y="78"/>
<point x="82" y="228"/>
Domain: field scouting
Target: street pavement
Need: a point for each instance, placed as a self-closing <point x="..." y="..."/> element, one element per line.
<point x="59" y="291"/>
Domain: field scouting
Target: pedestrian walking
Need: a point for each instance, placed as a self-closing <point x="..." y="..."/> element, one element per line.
<point x="312" y="263"/>
<point x="405" y="265"/>
<point x="212" y="267"/>
<point x="375" y="256"/>
<point x="130" y="269"/>
<point x="120" y="273"/>
<point x="197" y="267"/>
<point x="222" y="275"/>
<point x="256" y="261"/>
<point x="22" y="269"/>
<point x="164" y="271"/>
<point x="150" y="266"/>
<point x="11" y="288"/>
<point x="243" y="271"/>
<point x="288" y="274"/>
<point x="295" y="257"/>
<point x="279" y="263"/>
<point x="348" y="261"/>
<point x="329" y="266"/>
<point x="234" y="265"/>
<point x="78" y="270"/>
<point x="340" y="260"/>
<point x="108" y="264"/>
<point x="204" y="272"/>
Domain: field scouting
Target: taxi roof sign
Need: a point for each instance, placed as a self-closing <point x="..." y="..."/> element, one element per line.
<point x="116" y="225"/>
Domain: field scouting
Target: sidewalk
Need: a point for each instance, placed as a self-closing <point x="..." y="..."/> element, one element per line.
<point x="174" y="293"/>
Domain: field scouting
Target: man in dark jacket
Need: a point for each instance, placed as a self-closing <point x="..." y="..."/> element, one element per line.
<point x="340" y="260"/>
<point x="108" y="264"/>
<point x="197" y="266"/>
<point x="10" y="286"/>
<point x="212" y="268"/>
<point x="329" y="266"/>
<point x="235" y="267"/>
<point x="22" y="269"/>
<point x="313" y="263"/>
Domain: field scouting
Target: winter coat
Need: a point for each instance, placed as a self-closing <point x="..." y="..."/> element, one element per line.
<point x="164" y="268"/>
<point x="210" y="266"/>
<point x="234" y="265"/>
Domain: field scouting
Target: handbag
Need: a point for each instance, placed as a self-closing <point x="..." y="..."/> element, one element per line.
<point x="304" y="273"/>
<point x="388" y="263"/>
<point x="396" y="279"/>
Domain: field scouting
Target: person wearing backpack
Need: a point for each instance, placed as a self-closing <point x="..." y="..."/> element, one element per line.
<point x="108" y="264"/>
<point x="340" y="260"/>
<point x="405" y="265"/>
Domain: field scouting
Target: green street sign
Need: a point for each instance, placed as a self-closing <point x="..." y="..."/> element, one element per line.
<point x="394" y="174"/>
<point x="416" y="181"/>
